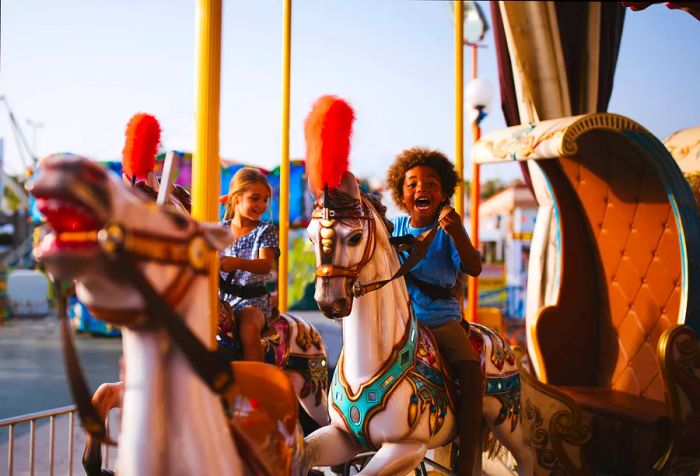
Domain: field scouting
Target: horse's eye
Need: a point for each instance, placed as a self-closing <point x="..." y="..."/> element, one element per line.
<point x="354" y="240"/>
<point x="180" y="221"/>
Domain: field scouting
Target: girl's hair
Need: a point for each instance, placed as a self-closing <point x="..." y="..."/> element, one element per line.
<point x="242" y="181"/>
<point x="414" y="157"/>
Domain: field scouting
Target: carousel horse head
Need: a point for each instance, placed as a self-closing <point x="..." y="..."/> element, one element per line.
<point x="343" y="244"/>
<point x="93" y="215"/>
<point x="343" y="221"/>
<point x="122" y="248"/>
<point x="347" y="227"/>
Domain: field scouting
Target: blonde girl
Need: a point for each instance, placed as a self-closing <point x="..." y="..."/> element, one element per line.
<point x="246" y="264"/>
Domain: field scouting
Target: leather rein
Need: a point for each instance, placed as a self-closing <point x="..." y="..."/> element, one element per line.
<point x="123" y="249"/>
<point x="367" y="212"/>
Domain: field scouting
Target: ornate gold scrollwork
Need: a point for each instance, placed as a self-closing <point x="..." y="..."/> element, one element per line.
<point x="555" y="425"/>
<point x="677" y="351"/>
<point x="198" y="252"/>
<point x="564" y="427"/>
<point x="111" y="238"/>
<point x="306" y="335"/>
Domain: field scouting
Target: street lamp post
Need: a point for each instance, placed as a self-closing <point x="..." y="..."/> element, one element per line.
<point x="470" y="29"/>
<point x="478" y="97"/>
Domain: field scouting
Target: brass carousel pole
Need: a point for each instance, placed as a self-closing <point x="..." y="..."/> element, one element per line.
<point x="206" y="176"/>
<point x="474" y="196"/>
<point x="282" y="279"/>
<point x="459" y="105"/>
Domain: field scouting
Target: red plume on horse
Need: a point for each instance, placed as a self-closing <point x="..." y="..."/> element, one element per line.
<point x="140" y="147"/>
<point x="328" y="130"/>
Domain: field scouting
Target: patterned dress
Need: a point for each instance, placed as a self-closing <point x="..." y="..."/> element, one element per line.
<point x="248" y="246"/>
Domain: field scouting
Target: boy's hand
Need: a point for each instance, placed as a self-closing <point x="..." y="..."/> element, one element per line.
<point x="450" y="222"/>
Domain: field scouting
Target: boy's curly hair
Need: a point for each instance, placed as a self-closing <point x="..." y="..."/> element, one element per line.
<point x="413" y="157"/>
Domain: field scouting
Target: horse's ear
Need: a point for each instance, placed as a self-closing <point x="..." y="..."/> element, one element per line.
<point x="348" y="185"/>
<point x="216" y="235"/>
<point x="315" y="192"/>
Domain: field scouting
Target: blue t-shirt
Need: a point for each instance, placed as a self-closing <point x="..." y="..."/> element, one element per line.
<point x="439" y="266"/>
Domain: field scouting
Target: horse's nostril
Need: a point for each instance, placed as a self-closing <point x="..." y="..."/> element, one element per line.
<point x="339" y="305"/>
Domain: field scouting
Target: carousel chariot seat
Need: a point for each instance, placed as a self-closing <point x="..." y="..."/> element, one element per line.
<point x="626" y="247"/>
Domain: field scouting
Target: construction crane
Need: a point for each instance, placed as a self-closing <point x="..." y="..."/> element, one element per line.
<point x="27" y="155"/>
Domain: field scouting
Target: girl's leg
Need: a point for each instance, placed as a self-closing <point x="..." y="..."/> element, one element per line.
<point x="252" y="320"/>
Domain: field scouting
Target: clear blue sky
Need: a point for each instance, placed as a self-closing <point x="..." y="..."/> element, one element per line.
<point x="82" y="68"/>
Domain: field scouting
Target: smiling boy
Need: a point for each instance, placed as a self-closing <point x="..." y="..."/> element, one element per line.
<point x="422" y="182"/>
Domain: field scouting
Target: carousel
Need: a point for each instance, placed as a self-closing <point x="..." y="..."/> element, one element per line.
<point x="609" y="380"/>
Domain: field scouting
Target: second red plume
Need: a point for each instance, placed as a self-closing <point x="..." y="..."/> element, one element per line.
<point x="141" y="146"/>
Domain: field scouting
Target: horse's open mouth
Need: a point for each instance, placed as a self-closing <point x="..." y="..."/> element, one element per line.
<point x="74" y="227"/>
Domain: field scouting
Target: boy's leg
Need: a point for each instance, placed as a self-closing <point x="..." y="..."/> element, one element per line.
<point x="468" y="372"/>
<point x="252" y="320"/>
<point x="464" y="363"/>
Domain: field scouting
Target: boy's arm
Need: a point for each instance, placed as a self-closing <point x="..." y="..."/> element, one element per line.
<point x="262" y="265"/>
<point x="471" y="259"/>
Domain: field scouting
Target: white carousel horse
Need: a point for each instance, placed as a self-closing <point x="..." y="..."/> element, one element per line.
<point x="389" y="388"/>
<point x="172" y="422"/>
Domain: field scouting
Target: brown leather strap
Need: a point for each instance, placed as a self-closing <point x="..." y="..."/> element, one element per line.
<point x="327" y="270"/>
<point x="90" y="417"/>
<point x="331" y="271"/>
<point x="433" y="291"/>
<point x="417" y="253"/>
<point x="211" y="368"/>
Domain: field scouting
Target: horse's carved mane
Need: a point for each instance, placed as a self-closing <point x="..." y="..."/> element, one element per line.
<point x="179" y="196"/>
<point x="338" y="200"/>
<point x="381" y="209"/>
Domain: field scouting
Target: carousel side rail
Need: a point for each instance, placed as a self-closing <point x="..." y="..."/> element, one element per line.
<point x="47" y="462"/>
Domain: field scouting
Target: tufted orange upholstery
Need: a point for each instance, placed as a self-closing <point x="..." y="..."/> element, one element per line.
<point x="633" y="225"/>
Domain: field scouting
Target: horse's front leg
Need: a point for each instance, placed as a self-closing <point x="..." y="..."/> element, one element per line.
<point x="329" y="446"/>
<point x="395" y="459"/>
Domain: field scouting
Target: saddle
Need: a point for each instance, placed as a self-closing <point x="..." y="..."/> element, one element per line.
<point x="229" y="345"/>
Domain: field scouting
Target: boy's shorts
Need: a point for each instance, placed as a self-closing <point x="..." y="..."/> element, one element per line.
<point x="453" y="343"/>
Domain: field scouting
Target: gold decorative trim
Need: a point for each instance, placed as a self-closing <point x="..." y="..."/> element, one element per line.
<point x="565" y="426"/>
<point x="388" y="363"/>
<point x="547" y="139"/>
<point x="676" y="352"/>
<point x="306" y="335"/>
<point x="599" y="121"/>
<point x="681" y="152"/>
